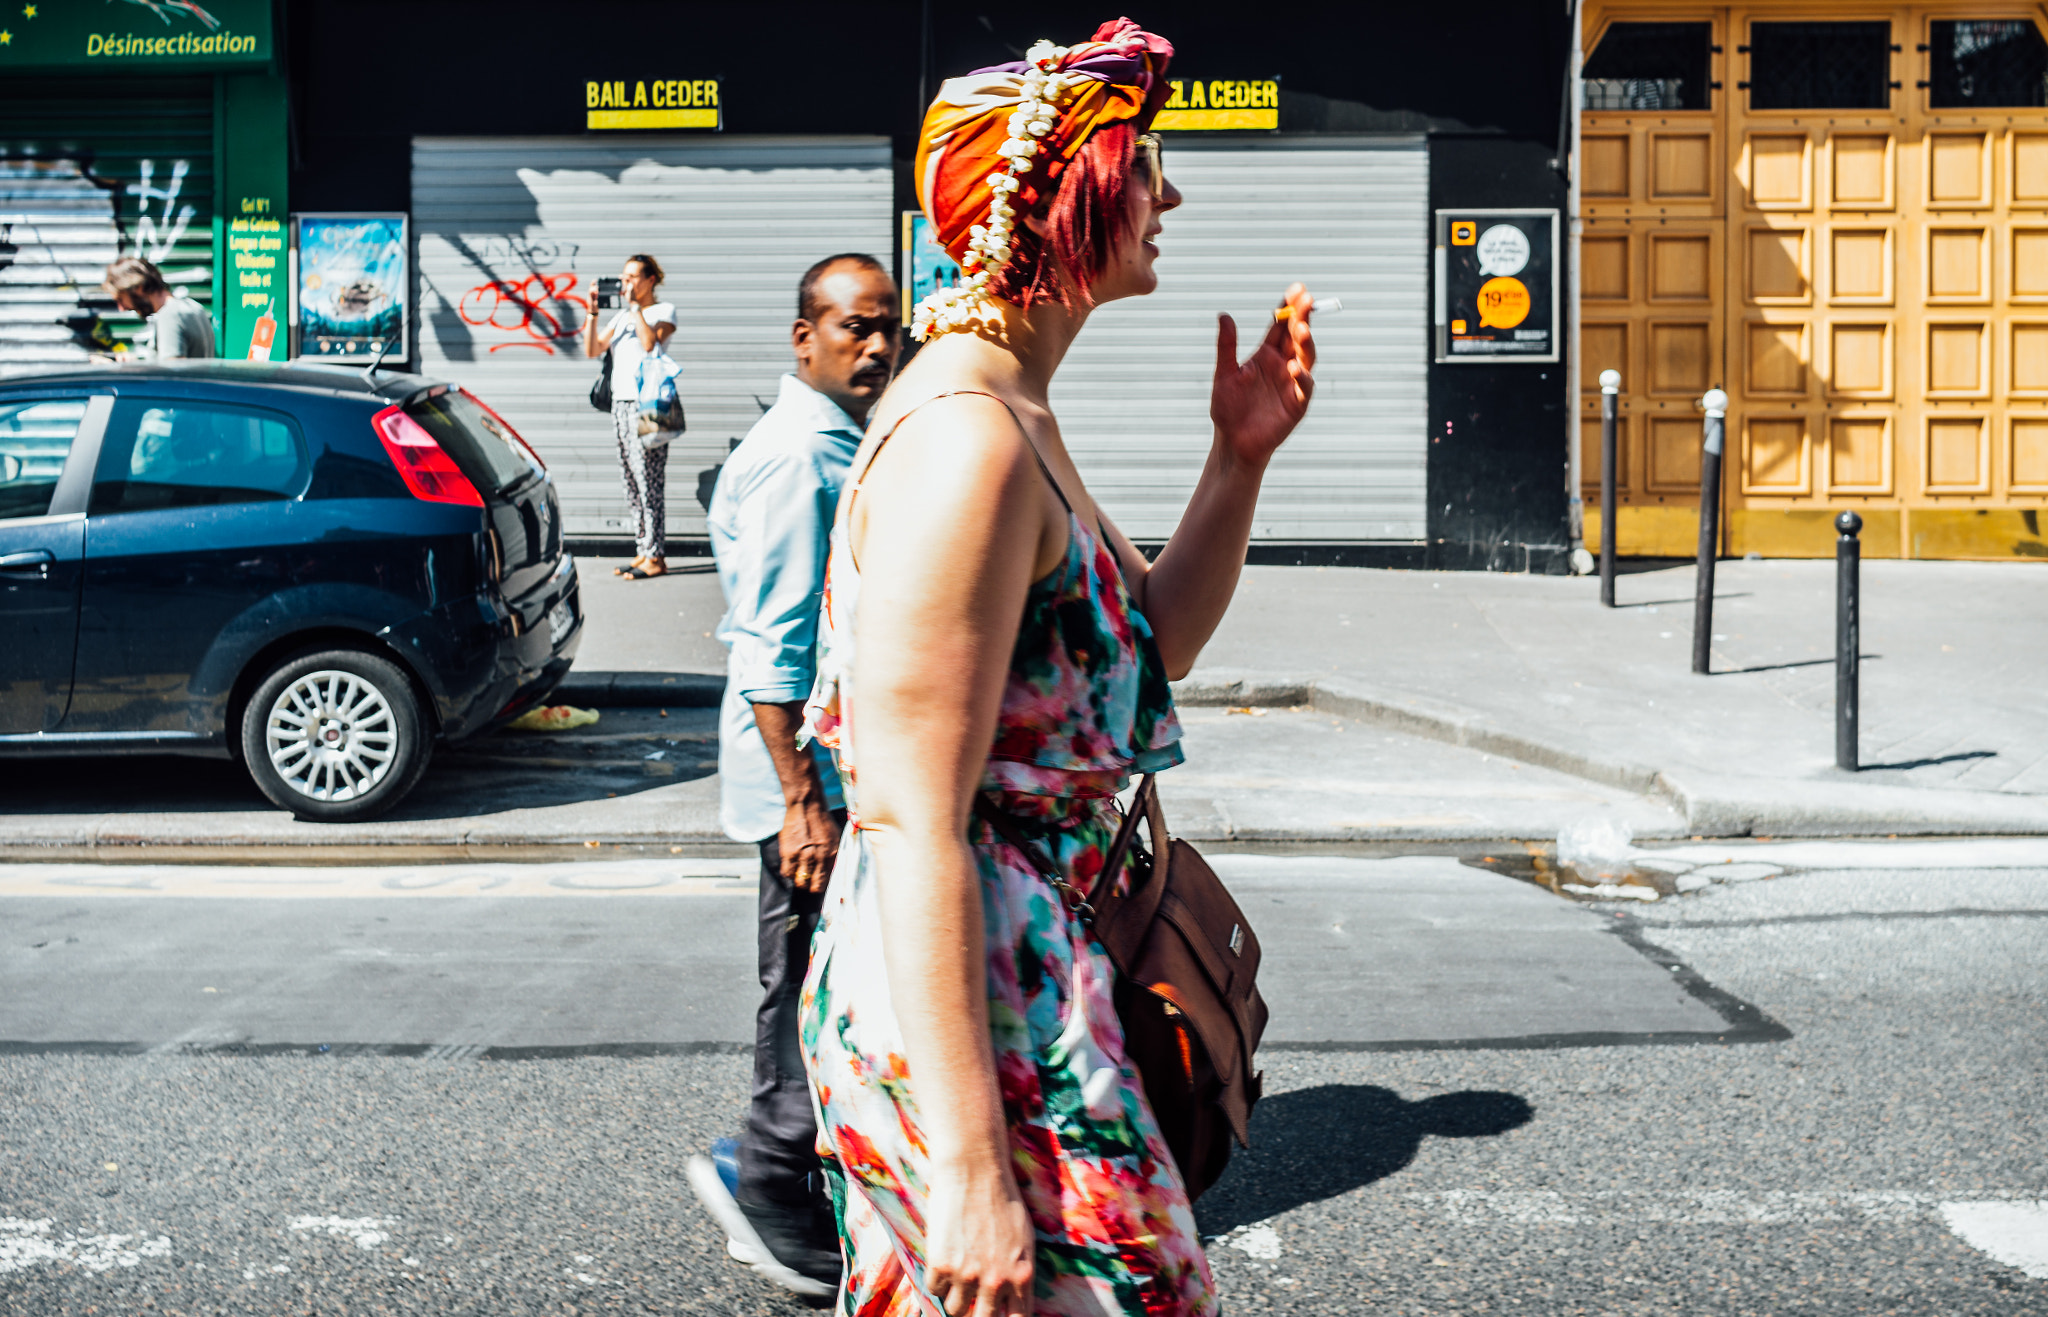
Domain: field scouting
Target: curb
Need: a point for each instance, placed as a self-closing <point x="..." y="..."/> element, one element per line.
<point x="1414" y="715"/>
<point x="1713" y="805"/>
<point x="641" y="690"/>
<point x="1717" y="806"/>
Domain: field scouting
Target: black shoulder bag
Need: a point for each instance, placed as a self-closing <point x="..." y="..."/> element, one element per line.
<point x="601" y="392"/>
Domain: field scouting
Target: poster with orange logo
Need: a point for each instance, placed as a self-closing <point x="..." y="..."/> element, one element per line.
<point x="1496" y="285"/>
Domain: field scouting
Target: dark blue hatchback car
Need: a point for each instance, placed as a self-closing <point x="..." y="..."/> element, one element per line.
<point x="315" y="571"/>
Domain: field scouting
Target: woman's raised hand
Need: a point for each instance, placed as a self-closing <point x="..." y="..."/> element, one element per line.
<point x="1257" y="403"/>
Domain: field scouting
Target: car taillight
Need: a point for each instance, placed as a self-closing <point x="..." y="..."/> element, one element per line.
<point x="422" y="463"/>
<point x="511" y="433"/>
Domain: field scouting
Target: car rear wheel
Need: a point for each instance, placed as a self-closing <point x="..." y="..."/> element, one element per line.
<point x="335" y="736"/>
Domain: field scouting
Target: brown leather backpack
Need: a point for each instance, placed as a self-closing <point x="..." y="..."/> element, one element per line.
<point x="1187" y="962"/>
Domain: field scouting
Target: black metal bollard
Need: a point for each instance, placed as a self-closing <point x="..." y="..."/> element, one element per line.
<point x="1716" y="404"/>
<point x="1610" y="405"/>
<point x="1848" y="637"/>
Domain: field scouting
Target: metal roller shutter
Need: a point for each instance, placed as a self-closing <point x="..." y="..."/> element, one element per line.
<point x="511" y="232"/>
<point x="1349" y="217"/>
<point x="87" y="173"/>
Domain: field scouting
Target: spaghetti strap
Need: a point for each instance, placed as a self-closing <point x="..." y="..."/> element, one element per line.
<point x="890" y="433"/>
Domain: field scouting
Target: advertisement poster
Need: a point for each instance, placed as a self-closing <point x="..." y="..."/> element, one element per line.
<point x="1496" y="285"/>
<point x="926" y="266"/>
<point x="351" y="286"/>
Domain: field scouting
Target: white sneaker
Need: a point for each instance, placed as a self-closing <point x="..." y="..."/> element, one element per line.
<point x="742" y="1244"/>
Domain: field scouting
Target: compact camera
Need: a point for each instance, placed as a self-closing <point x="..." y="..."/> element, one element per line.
<point x="607" y="295"/>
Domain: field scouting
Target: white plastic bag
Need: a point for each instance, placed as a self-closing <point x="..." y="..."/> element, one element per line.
<point x="660" y="404"/>
<point x="1597" y="847"/>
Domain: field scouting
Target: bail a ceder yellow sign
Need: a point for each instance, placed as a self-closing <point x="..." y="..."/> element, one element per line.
<point x="652" y="103"/>
<point x="1196" y="105"/>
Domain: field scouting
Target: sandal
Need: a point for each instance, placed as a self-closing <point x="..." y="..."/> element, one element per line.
<point x="639" y="572"/>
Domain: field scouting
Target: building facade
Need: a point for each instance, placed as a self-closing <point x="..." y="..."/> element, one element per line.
<point x="528" y="151"/>
<point x="154" y="130"/>
<point x="532" y="160"/>
<point x="1839" y="214"/>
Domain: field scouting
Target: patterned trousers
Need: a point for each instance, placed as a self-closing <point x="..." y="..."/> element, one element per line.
<point x="646" y="481"/>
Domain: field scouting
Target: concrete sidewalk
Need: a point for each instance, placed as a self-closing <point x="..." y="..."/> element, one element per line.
<point x="1955" y="680"/>
<point x="1955" y="683"/>
<point x="1338" y="708"/>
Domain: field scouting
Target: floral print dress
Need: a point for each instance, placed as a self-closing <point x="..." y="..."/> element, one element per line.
<point x="1085" y="707"/>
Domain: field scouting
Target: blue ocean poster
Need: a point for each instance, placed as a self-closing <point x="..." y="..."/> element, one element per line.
<point x="353" y="283"/>
<point x="927" y="266"/>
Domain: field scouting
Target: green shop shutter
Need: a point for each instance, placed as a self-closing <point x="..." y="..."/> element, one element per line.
<point x="91" y="170"/>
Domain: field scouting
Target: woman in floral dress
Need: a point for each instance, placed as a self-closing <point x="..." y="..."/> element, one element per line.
<point x="988" y="630"/>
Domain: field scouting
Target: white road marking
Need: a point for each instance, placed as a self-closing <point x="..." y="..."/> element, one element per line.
<point x="2013" y="1233"/>
<point x="1985" y="853"/>
<point x="1770" y="1208"/>
<point x="366" y="1231"/>
<point x="1611" y="892"/>
<point x="730" y="878"/>
<point x="1258" y="1240"/>
<point x="24" y="1244"/>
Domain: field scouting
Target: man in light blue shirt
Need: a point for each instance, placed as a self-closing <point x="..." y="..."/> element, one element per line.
<point x="771" y="524"/>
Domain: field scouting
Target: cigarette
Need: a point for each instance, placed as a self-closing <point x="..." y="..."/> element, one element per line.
<point x="1322" y="306"/>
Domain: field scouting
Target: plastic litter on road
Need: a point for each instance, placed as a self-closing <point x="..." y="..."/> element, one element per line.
<point x="553" y="718"/>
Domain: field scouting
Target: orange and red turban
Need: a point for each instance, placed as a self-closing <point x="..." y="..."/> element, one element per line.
<point x="1119" y="76"/>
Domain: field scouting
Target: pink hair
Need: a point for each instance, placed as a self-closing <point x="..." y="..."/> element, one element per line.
<point x="1087" y="220"/>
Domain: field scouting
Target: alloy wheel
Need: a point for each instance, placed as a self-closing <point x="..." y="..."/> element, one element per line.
<point x="331" y="735"/>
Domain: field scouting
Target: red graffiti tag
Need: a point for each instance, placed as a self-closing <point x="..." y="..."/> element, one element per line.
<point x="517" y="307"/>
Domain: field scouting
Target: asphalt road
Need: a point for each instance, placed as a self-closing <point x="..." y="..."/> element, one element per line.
<point x="1819" y="1093"/>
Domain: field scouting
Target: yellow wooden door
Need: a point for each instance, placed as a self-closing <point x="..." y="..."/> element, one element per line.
<point x="1884" y="273"/>
<point x="1654" y="196"/>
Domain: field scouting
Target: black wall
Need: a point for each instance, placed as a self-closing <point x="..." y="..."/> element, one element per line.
<point x="1484" y="78"/>
<point x="1497" y="433"/>
<point x="369" y="74"/>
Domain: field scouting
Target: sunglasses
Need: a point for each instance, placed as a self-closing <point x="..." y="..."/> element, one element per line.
<point x="1149" y="149"/>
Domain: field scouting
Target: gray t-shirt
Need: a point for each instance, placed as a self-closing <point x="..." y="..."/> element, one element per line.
<point x="181" y="329"/>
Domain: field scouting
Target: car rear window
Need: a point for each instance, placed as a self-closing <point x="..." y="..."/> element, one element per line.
<point x="163" y="453"/>
<point x="35" y="438"/>
<point x="486" y="449"/>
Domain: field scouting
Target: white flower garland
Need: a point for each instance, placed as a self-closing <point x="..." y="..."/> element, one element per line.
<point x="968" y="304"/>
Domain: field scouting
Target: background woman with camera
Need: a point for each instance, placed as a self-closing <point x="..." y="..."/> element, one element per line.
<point x="641" y="326"/>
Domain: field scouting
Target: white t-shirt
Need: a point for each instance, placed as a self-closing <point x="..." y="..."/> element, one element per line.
<point x="181" y="330"/>
<point x="626" y="350"/>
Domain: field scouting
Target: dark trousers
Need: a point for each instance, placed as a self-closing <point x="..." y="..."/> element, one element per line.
<point x="778" y="1154"/>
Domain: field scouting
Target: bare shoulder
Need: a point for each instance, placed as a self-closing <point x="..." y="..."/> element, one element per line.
<point x="957" y="475"/>
<point x="964" y="442"/>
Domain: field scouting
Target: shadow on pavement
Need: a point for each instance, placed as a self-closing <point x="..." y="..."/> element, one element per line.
<point x="1638" y="566"/>
<point x="461" y="782"/>
<point x="1961" y="756"/>
<point x="1781" y="667"/>
<point x="1315" y="1143"/>
<point x="1719" y="595"/>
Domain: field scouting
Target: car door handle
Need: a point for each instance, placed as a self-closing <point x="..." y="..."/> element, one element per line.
<point x="34" y="560"/>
